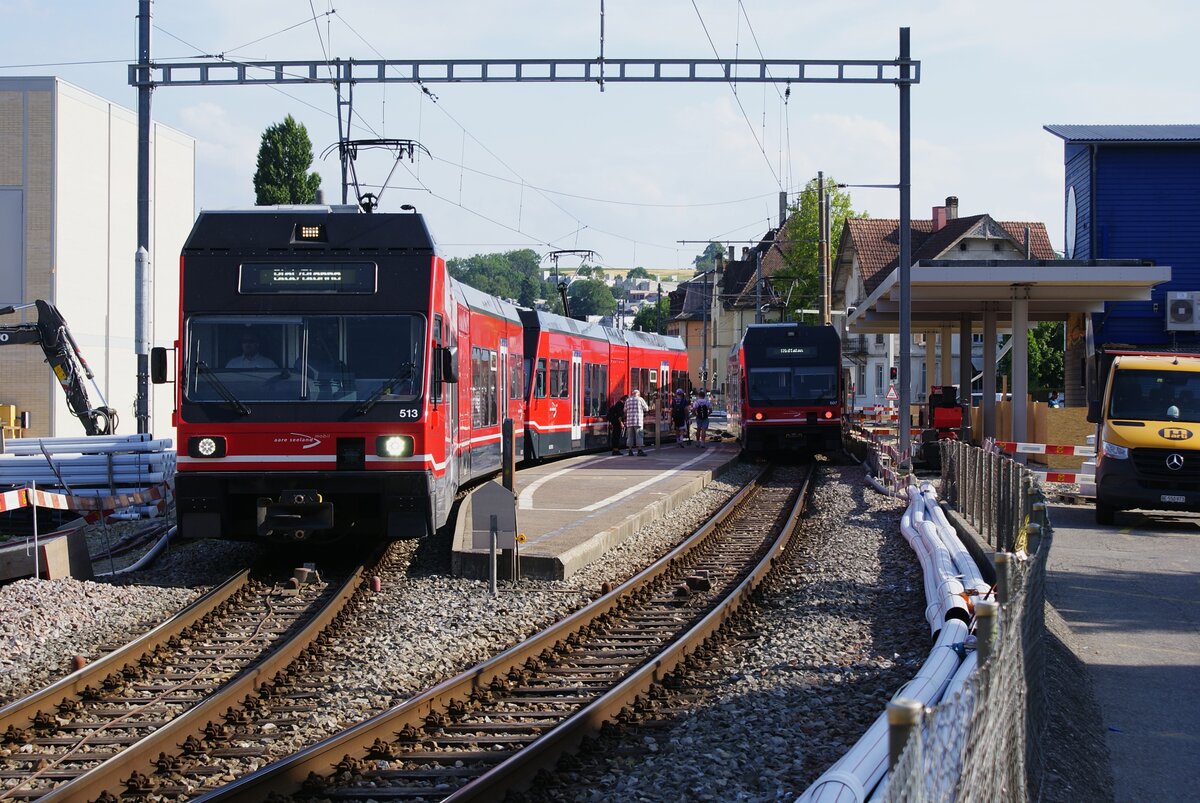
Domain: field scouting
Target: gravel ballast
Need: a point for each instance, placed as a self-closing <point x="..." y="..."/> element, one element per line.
<point x="794" y="700"/>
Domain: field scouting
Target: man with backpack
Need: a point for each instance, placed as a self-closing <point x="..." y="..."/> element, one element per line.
<point x="679" y="416"/>
<point x="701" y="409"/>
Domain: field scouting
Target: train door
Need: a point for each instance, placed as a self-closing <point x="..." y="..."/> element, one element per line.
<point x="502" y="380"/>
<point x="576" y="398"/>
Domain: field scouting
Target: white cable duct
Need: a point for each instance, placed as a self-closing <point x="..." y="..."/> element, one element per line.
<point x="147" y="558"/>
<point x="967" y="567"/>
<point x="856" y="773"/>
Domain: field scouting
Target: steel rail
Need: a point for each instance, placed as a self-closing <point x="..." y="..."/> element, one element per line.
<point x="140" y="756"/>
<point x="18" y="713"/>
<point x="522" y="767"/>
<point x="286" y="776"/>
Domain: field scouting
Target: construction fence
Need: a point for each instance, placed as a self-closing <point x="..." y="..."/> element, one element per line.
<point x="981" y="743"/>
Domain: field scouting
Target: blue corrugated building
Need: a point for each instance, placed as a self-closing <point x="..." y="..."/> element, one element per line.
<point x="1133" y="192"/>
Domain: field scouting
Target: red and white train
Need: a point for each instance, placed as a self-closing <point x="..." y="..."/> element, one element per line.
<point x="786" y="389"/>
<point x="333" y="381"/>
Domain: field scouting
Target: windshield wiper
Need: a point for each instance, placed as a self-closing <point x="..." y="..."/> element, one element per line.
<point x="210" y="376"/>
<point x="405" y="371"/>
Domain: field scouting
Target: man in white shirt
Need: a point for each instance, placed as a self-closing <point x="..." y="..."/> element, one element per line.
<point x="250" y="356"/>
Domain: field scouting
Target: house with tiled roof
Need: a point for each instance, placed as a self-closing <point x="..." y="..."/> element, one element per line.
<point x="869" y="251"/>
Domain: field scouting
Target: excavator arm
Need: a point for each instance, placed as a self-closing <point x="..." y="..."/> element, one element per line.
<point x="69" y="367"/>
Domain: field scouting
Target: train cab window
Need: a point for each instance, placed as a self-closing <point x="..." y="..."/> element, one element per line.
<point x="539" y="382"/>
<point x="237" y="359"/>
<point x="435" y="388"/>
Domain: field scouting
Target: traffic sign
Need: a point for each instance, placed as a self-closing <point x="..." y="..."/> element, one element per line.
<point x="891" y="393"/>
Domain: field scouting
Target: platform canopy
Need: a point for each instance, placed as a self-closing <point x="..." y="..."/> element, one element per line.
<point x="1002" y="295"/>
<point x="942" y="291"/>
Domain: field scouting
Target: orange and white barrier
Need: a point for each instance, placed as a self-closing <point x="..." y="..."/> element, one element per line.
<point x="28" y="497"/>
<point x="1011" y="447"/>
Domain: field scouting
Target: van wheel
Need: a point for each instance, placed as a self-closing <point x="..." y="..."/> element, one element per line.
<point x="1105" y="514"/>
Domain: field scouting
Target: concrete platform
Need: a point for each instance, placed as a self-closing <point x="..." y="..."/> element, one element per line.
<point x="572" y="511"/>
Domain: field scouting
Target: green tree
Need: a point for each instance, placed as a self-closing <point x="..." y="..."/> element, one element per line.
<point x="514" y="274"/>
<point x="799" y="280"/>
<point x="584" y="270"/>
<point x="638" y="273"/>
<point x="653" y="317"/>
<point x="590" y="297"/>
<point x="708" y="260"/>
<point x="284" y="157"/>
<point x="1045" y="359"/>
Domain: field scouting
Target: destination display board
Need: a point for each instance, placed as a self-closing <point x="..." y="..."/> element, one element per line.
<point x="356" y="278"/>
<point x="792" y="352"/>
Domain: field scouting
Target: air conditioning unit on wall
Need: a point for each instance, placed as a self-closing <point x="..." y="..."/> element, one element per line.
<point x="1183" y="312"/>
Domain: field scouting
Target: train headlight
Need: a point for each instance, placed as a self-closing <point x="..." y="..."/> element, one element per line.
<point x="758" y="416"/>
<point x="829" y="414"/>
<point x="206" y="446"/>
<point x="394" y="446"/>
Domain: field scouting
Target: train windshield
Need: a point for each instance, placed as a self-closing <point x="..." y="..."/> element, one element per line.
<point x="792" y="384"/>
<point x="304" y="358"/>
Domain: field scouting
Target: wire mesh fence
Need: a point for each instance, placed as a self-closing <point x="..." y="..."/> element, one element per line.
<point x="981" y="742"/>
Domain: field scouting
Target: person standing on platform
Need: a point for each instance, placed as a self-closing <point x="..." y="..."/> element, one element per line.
<point x="635" y="418"/>
<point x="616" y="422"/>
<point x="679" y="416"/>
<point x="701" y="409"/>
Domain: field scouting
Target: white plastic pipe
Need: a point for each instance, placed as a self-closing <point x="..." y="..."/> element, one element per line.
<point x="853" y="776"/>
<point x="147" y="558"/>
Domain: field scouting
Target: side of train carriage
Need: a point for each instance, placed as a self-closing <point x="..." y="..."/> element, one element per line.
<point x="333" y="380"/>
<point x="785" y="389"/>
<point x="579" y="369"/>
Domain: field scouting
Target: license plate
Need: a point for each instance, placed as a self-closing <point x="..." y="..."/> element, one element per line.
<point x="1178" y="500"/>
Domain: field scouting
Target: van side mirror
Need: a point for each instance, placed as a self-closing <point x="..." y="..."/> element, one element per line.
<point x="1093" y="414"/>
<point x="158" y="365"/>
<point x="449" y="366"/>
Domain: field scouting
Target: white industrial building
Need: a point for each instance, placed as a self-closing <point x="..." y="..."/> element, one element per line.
<point x="68" y="235"/>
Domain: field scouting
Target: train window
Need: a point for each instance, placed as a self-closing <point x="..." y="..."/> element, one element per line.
<point x="539" y="387"/>
<point x="483" y="387"/>
<point x="560" y="387"/>
<point x="303" y="358"/>
<point x="435" y="388"/>
<point x="516" y="380"/>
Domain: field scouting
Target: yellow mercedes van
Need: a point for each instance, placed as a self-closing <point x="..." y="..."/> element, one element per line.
<point x="1148" y="435"/>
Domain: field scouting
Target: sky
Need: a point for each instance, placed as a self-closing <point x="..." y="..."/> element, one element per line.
<point x="644" y="174"/>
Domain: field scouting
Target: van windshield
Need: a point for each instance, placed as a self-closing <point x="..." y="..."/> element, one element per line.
<point x="1155" y="395"/>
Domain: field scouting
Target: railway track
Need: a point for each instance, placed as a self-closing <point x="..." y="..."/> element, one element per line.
<point x="493" y="727"/>
<point x="75" y="739"/>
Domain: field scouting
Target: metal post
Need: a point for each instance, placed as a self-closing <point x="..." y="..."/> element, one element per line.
<point x="31" y="498"/>
<point x="758" y="316"/>
<point x="141" y="324"/>
<point x="707" y="312"/>
<point x="142" y="406"/>
<point x="822" y="248"/>
<point x="905" y="249"/>
<point x="904" y="717"/>
<point x="507" y="456"/>
<point x="986" y="629"/>
<point x="492" y="579"/>
<point x="1003" y="566"/>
